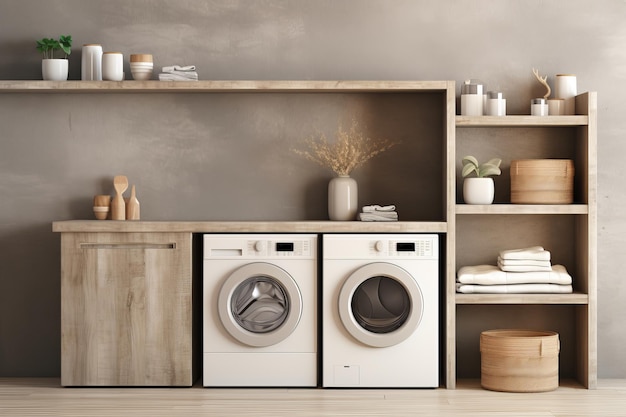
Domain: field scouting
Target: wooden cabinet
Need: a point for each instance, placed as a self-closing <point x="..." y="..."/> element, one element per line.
<point x="126" y="312"/>
<point x="568" y="231"/>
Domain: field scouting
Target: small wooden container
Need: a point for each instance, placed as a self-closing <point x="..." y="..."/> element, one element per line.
<point x="542" y="181"/>
<point x="519" y="360"/>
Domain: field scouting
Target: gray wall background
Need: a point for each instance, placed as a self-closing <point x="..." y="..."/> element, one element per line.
<point x="194" y="158"/>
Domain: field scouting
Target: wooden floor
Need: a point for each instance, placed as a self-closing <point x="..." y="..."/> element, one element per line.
<point x="45" y="397"/>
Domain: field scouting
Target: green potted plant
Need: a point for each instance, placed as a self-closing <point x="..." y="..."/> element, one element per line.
<point x="479" y="189"/>
<point x="55" y="69"/>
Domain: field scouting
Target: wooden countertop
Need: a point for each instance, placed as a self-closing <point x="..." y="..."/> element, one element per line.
<point x="113" y="226"/>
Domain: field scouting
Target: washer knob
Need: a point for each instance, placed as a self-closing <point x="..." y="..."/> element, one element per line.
<point x="259" y="246"/>
<point x="379" y="246"/>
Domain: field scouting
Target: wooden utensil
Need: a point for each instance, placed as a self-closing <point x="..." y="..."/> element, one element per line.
<point x="132" y="207"/>
<point x="118" y="207"/>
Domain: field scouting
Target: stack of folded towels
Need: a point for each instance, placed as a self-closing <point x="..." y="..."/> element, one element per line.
<point x="519" y="271"/>
<point x="179" y="73"/>
<point x="376" y="213"/>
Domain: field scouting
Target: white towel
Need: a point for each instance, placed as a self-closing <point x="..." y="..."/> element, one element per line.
<point x="492" y="275"/>
<point x="376" y="208"/>
<point x="173" y="68"/>
<point x="176" y="77"/>
<point x="523" y="265"/>
<point x="379" y="217"/>
<point x="534" y="252"/>
<point x="514" y="289"/>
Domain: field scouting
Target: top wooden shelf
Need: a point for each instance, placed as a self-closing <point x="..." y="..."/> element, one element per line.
<point x="75" y="86"/>
<point x="521" y="120"/>
<point x="321" y="226"/>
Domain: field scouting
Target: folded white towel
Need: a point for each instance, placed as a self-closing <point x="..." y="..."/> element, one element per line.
<point x="514" y="289"/>
<point x="514" y="262"/>
<point x="379" y="217"/>
<point x="523" y="265"/>
<point x="492" y="275"/>
<point x="534" y="252"/>
<point x="376" y="207"/>
<point x="173" y="68"/>
<point x="176" y="77"/>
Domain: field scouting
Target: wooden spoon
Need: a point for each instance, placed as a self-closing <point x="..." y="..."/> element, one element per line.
<point x="118" y="207"/>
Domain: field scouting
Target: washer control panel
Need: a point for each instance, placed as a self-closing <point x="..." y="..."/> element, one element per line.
<point x="260" y="246"/>
<point x="396" y="246"/>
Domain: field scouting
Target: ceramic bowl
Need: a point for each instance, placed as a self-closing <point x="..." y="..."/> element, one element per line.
<point x="140" y="58"/>
<point x="101" y="212"/>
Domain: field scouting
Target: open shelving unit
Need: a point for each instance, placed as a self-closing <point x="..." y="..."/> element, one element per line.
<point x="569" y="231"/>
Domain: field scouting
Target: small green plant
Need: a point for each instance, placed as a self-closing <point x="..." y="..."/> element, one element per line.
<point x="470" y="164"/>
<point x="47" y="46"/>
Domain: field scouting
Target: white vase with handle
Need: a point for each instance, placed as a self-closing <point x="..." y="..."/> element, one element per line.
<point x="342" y="198"/>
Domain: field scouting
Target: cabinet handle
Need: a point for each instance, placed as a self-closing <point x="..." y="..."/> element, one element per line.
<point x="127" y="246"/>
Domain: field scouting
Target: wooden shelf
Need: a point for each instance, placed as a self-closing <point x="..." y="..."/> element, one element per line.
<point x="221" y="86"/>
<point x="575" y="298"/>
<point x="80" y="226"/>
<point x="522" y="209"/>
<point x="521" y="121"/>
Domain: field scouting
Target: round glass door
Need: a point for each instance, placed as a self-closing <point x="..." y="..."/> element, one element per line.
<point x="380" y="304"/>
<point x="260" y="304"/>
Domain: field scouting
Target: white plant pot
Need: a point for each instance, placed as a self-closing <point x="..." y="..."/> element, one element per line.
<point x="478" y="190"/>
<point x="342" y="198"/>
<point x="54" y="69"/>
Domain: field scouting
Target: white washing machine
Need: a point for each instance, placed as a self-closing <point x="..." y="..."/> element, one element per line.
<point x="380" y="311"/>
<point x="259" y="310"/>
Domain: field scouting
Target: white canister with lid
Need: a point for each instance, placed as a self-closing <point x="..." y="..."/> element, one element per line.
<point x="496" y="104"/>
<point x="565" y="88"/>
<point x="472" y="98"/>
<point x="113" y="66"/>
<point x="539" y="107"/>
<point x="91" y="62"/>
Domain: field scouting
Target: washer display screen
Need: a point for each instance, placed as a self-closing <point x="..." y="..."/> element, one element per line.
<point x="260" y="304"/>
<point x="381" y="304"/>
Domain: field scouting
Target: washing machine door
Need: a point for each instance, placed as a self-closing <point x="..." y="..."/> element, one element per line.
<point x="380" y="304"/>
<point x="260" y="304"/>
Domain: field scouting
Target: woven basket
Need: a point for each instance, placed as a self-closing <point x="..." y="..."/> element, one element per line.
<point x="519" y="360"/>
<point x="542" y="181"/>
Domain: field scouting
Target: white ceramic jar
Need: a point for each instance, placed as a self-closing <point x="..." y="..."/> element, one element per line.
<point x="112" y="66"/>
<point x="91" y="62"/>
<point x="496" y="104"/>
<point x="565" y="88"/>
<point x="472" y="98"/>
<point x="539" y="107"/>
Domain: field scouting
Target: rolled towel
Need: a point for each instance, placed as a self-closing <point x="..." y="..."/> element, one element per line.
<point x="492" y="275"/>
<point x="376" y="208"/>
<point x="515" y="289"/>
<point x="173" y="68"/>
<point x="537" y="253"/>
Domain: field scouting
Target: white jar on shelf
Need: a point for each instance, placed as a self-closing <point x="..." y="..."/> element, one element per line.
<point x="91" y="62"/>
<point x="472" y="98"/>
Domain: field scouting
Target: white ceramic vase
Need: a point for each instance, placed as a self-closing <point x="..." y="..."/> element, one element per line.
<point x="54" y="69"/>
<point x="478" y="190"/>
<point x="342" y="198"/>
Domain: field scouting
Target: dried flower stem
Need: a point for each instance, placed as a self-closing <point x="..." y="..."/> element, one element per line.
<point x="351" y="149"/>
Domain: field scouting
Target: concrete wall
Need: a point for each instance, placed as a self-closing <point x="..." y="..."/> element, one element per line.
<point x="228" y="158"/>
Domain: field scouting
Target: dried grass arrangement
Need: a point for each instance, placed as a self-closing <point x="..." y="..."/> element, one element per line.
<point x="350" y="150"/>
